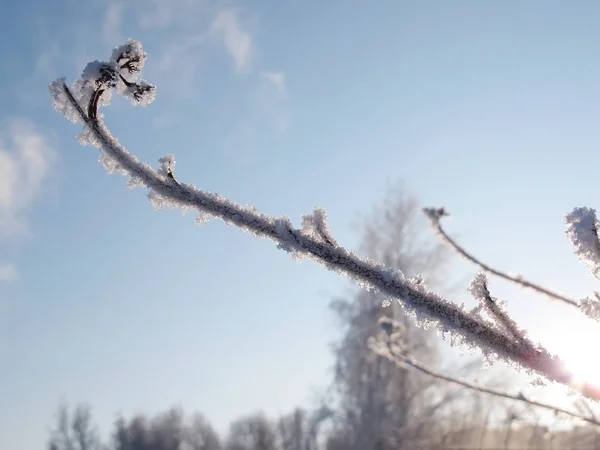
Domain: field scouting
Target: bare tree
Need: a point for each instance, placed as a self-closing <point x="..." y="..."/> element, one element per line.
<point x="74" y="432"/>
<point x="167" y="431"/>
<point x="292" y="431"/>
<point x="200" y="435"/>
<point x="300" y="430"/>
<point x="254" y="432"/>
<point x="381" y="405"/>
<point x="164" y="432"/>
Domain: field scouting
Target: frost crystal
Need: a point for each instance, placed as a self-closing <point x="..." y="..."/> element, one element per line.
<point x="590" y="306"/>
<point x="582" y="230"/>
<point x="61" y="102"/>
<point x="111" y="165"/>
<point x="478" y="288"/>
<point x="87" y="137"/>
<point x="101" y="74"/>
<point x="167" y="165"/>
<point x="130" y="56"/>
<point x="202" y="218"/>
<point x="284" y="228"/>
<point x="496" y="309"/>
<point x="315" y="225"/>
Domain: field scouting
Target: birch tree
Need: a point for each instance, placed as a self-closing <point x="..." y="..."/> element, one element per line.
<point x="382" y="405"/>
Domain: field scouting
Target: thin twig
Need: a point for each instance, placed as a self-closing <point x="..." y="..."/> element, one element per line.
<point x="518" y="279"/>
<point x="402" y="360"/>
<point x="507" y="322"/>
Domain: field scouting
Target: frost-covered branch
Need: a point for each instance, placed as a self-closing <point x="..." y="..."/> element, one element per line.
<point x="481" y="293"/>
<point x="80" y="102"/>
<point x="386" y="345"/>
<point x="582" y="231"/>
<point x="435" y="215"/>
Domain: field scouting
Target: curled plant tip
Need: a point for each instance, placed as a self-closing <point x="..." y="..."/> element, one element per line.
<point x="582" y="231"/>
<point x="590" y="306"/>
<point x="102" y="74"/>
<point x="315" y="224"/>
<point x="130" y="57"/>
<point x="100" y="78"/>
<point x="140" y="94"/>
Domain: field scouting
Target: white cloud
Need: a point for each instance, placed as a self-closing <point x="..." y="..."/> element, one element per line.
<point x="26" y="159"/>
<point x="112" y="22"/>
<point x="272" y="98"/>
<point x="157" y="14"/>
<point x="238" y="42"/>
<point x="8" y="272"/>
<point x="178" y="64"/>
<point x="43" y="63"/>
<point x="269" y="110"/>
<point x="277" y="80"/>
<point x="163" y="120"/>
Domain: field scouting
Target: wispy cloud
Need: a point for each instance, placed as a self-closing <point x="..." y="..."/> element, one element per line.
<point x="178" y="64"/>
<point x="111" y="25"/>
<point x="238" y="42"/>
<point x="8" y="272"/>
<point x="272" y="98"/>
<point x="26" y="158"/>
<point x="163" y="120"/>
<point x="44" y="62"/>
<point x="277" y="80"/>
<point x="156" y="14"/>
<point x="267" y="113"/>
<point x="159" y="15"/>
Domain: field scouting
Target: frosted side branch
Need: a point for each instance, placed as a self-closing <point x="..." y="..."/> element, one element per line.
<point x="435" y="215"/>
<point x="386" y="345"/>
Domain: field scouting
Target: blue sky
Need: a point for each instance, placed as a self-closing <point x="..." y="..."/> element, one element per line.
<point x="490" y="109"/>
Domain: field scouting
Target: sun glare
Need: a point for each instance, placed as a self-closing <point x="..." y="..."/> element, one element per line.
<point x="574" y="344"/>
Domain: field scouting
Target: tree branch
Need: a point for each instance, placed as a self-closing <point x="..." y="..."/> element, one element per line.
<point x="386" y="349"/>
<point x="429" y="307"/>
<point x="435" y="215"/>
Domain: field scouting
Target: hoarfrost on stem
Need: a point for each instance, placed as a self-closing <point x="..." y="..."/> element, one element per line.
<point x="314" y="241"/>
<point x="582" y="231"/>
<point x="591" y="306"/>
